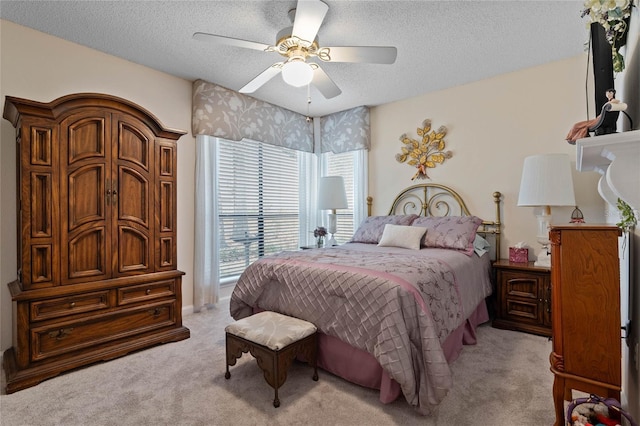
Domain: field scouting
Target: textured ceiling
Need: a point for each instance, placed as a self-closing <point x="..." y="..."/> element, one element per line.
<point x="440" y="44"/>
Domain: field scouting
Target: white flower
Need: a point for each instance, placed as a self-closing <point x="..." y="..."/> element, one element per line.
<point x="611" y="15"/>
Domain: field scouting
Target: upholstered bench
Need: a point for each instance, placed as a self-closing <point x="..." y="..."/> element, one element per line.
<point x="274" y="340"/>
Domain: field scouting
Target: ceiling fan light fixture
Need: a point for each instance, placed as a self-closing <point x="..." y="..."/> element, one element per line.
<point x="297" y="73"/>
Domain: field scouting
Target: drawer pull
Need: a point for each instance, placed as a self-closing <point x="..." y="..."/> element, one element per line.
<point x="157" y="311"/>
<point x="72" y="305"/>
<point x="60" y="334"/>
<point x="148" y="291"/>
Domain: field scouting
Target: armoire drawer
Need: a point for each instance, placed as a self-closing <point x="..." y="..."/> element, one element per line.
<point x="145" y="292"/>
<point x="68" y="336"/>
<point x="70" y="305"/>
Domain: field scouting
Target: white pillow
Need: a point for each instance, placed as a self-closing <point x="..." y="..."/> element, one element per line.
<point x="402" y="236"/>
<point x="480" y="245"/>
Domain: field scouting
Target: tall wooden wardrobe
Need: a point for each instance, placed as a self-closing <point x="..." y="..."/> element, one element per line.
<point x="585" y="280"/>
<point x="96" y="201"/>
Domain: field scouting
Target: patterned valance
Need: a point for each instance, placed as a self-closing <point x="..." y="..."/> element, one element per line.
<point x="346" y="130"/>
<point x="223" y="113"/>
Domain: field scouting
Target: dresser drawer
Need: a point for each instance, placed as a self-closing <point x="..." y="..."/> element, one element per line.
<point x="144" y="292"/>
<point x="68" y="336"/>
<point x="70" y="305"/>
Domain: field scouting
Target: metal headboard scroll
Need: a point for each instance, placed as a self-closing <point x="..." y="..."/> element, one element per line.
<point x="435" y="200"/>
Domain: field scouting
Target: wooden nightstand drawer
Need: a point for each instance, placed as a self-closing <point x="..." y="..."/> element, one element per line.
<point x="523" y="297"/>
<point x="518" y="285"/>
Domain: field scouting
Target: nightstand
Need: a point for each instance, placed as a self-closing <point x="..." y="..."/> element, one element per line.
<point x="523" y="297"/>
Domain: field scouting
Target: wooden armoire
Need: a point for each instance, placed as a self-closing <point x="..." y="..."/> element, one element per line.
<point x="585" y="281"/>
<point x="97" y="262"/>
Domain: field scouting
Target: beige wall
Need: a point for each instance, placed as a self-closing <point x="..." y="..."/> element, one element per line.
<point x="492" y="126"/>
<point x="42" y="68"/>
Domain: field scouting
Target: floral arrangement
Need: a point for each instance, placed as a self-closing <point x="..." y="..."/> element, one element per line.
<point x="613" y="15"/>
<point x="320" y="231"/>
<point x="424" y="153"/>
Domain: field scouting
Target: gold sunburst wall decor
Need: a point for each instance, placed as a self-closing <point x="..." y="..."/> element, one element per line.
<point x="425" y="153"/>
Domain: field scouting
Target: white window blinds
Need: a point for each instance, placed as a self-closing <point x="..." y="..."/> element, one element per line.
<point x="258" y="202"/>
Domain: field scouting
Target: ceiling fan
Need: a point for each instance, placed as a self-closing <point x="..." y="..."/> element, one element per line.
<point x="300" y="43"/>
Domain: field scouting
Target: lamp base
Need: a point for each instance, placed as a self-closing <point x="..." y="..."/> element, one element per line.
<point x="544" y="258"/>
<point x="331" y="242"/>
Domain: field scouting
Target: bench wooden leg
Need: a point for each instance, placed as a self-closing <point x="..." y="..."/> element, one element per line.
<point x="274" y="364"/>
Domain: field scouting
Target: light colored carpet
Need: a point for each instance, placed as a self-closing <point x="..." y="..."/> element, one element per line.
<point x="504" y="380"/>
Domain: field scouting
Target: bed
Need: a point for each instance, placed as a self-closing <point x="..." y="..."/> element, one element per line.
<point x="395" y="305"/>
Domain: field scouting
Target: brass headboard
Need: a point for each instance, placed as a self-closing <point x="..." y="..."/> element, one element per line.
<point x="432" y="199"/>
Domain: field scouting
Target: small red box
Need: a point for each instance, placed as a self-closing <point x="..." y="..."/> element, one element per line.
<point x="520" y="255"/>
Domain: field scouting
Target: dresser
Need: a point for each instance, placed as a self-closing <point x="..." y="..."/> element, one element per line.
<point x="97" y="262"/>
<point x="523" y="297"/>
<point x="585" y="312"/>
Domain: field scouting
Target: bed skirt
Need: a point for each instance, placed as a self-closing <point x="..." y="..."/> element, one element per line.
<point x="360" y="367"/>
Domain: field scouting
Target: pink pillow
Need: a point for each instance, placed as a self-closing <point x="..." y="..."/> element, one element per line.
<point x="371" y="229"/>
<point x="450" y="232"/>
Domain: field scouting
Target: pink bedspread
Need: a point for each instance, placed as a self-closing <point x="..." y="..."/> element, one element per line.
<point x="396" y="304"/>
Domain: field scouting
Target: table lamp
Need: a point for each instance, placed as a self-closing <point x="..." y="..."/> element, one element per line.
<point x="332" y="196"/>
<point x="546" y="181"/>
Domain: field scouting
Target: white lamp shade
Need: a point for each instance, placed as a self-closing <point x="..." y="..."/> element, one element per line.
<point x="331" y="193"/>
<point x="546" y="181"/>
<point x="297" y="73"/>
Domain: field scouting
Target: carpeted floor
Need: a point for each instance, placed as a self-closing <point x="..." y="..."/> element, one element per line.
<point x="504" y="380"/>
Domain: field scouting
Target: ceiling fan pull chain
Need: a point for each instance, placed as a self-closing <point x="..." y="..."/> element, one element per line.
<point x="308" y="102"/>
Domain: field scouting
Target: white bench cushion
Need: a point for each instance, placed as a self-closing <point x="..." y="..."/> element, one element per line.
<point x="271" y="329"/>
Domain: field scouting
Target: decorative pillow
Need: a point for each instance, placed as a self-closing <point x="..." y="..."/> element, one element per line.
<point x="371" y="228"/>
<point x="480" y="245"/>
<point x="451" y="232"/>
<point x="402" y="236"/>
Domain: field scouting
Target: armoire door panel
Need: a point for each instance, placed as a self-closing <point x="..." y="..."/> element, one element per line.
<point x="166" y="160"/>
<point x="133" y="202"/>
<point x="41" y="205"/>
<point x="167" y="255"/>
<point x="86" y="139"/>
<point x="166" y="206"/>
<point x="133" y="143"/>
<point x="133" y="250"/>
<point x="41" y="146"/>
<point x="41" y="263"/>
<point x="86" y="195"/>
<point x="87" y="253"/>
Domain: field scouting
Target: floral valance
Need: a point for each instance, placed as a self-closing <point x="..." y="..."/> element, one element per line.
<point x="346" y="130"/>
<point x="223" y="113"/>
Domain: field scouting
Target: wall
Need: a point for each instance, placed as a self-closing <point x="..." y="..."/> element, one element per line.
<point x="492" y="126"/>
<point x="40" y="67"/>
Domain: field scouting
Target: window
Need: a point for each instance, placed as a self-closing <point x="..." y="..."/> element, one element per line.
<point x="342" y="165"/>
<point x="258" y="203"/>
<point x="266" y="200"/>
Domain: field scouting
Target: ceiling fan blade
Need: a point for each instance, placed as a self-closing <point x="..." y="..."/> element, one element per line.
<point x="309" y="17"/>
<point x="324" y="84"/>
<point x="262" y="78"/>
<point x="364" y="54"/>
<point x="230" y="41"/>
